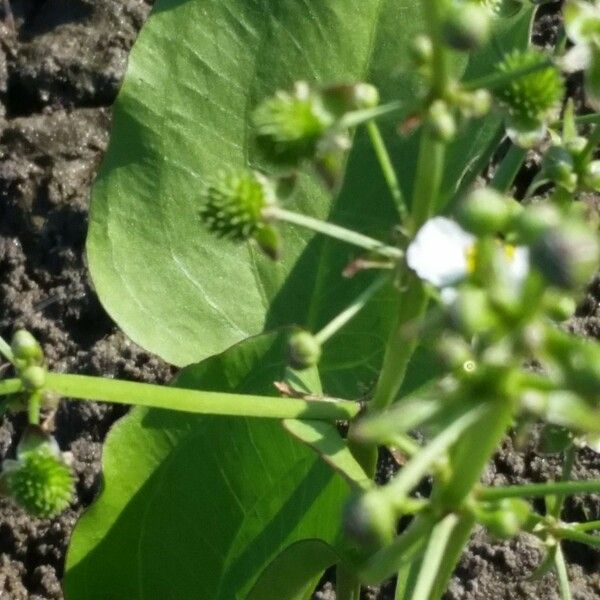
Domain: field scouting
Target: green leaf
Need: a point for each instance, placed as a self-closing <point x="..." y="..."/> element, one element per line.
<point x="195" y="74"/>
<point x="204" y="505"/>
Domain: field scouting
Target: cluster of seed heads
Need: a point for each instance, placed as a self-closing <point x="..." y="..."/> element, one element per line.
<point x="232" y="203"/>
<point x="41" y="483"/>
<point x="533" y="97"/>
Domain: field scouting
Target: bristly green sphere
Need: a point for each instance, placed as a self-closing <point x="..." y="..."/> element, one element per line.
<point x="290" y="124"/>
<point x="233" y="203"/>
<point x="42" y="483"/>
<point x="532" y="99"/>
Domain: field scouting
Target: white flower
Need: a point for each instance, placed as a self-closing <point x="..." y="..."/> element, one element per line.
<point x="443" y="254"/>
<point x="440" y="252"/>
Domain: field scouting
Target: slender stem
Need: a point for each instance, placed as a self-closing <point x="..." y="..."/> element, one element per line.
<point x="402" y="550"/>
<point x="559" y="499"/>
<point x="10" y="386"/>
<point x="351" y="310"/>
<point x="430" y="169"/>
<point x="432" y="14"/>
<point x="34" y="404"/>
<point x="587" y="526"/>
<point x="347" y="587"/>
<point x="536" y="490"/>
<point x="334" y="231"/>
<point x="387" y="168"/>
<point x="509" y="167"/>
<point x="574" y="535"/>
<point x="585" y="119"/>
<point x="561" y="574"/>
<point x="83" y="387"/>
<point x="441" y="537"/>
<point x="5" y="350"/>
<point x="500" y="78"/>
<point x="357" y="117"/>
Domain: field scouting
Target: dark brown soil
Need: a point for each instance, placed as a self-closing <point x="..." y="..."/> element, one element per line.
<point x="60" y="70"/>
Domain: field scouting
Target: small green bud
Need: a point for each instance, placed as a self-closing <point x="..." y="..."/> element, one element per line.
<point x="441" y="121"/>
<point x="421" y="50"/>
<point x="290" y="124"/>
<point x="33" y="377"/>
<point x="535" y="220"/>
<point x="454" y="352"/>
<point x="342" y="98"/>
<point x="466" y="26"/>
<point x="474" y="104"/>
<point x="558" y="306"/>
<point x="485" y="211"/>
<point x="558" y="166"/>
<point x="591" y="177"/>
<point x="40" y="482"/>
<point x="370" y="520"/>
<point x="471" y="312"/>
<point x="25" y="347"/>
<point x="567" y="256"/>
<point x="234" y="201"/>
<point x="304" y="350"/>
<point x="504" y="518"/>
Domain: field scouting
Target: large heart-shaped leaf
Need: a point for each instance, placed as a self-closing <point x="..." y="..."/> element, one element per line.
<point x="197" y="507"/>
<point x="195" y="74"/>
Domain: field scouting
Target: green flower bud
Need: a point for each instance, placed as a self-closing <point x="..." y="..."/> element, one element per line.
<point x="40" y="482"/>
<point x="567" y="256"/>
<point x="530" y="100"/>
<point x="370" y="520"/>
<point x="421" y="50"/>
<point x="342" y="98"/>
<point x="25" y="347"/>
<point x="233" y="203"/>
<point x="504" y="518"/>
<point x="455" y="353"/>
<point x="558" y="306"/>
<point x="466" y="26"/>
<point x="558" y="166"/>
<point x="485" y="211"/>
<point x="304" y="350"/>
<point x="474" y="104"/>
<point x="441" y="121"/>
<point x="535" y="220"/>
<point x="33" y="377"/>
<point x="471" y="312"/>
<point x="289" y="124"/>
<point x="591" y="177"/>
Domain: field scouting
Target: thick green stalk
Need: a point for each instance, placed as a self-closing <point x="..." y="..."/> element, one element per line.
<point x="566" y="533"/>
<point x="508" y="168"/>
<point x="537" y="490"/>
<point x="347" y="587"/>
<point x="334" y="231"/>
<point x="10" y="386"/>
<point x="387" y="168"/>
<point x="561" y="574"/>
<point x="587" y="526"/>
<point x="83" y="387"/>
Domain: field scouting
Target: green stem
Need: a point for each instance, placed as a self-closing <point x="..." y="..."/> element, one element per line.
<point x="587" y="119"/>
<point x="402" y="550"/>
<point x="351" y="310"/>
<point x="498" y="79"/>
<point x="5" y="350"/>
<point x="536" y="490"/>
<point x="587" y="526"/>
<point x="565" y="533"/>
<point x="561" y="574"/>
<point x="592" y="142"/>
<point x="334" y="231"/>
<point x="83" y="387"/>
<point x="559" y="499"/>
<point x="439" y="67"/>
<point x="357" y="117"/>
<point x="507" y="170"/>
<point x="387" y="168"/>
<point x="10" y="386"/>
<point x="347" y="587"/>
<point x="34" y="404"/>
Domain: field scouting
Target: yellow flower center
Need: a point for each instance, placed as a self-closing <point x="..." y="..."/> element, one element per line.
<point x="471" y="257"/>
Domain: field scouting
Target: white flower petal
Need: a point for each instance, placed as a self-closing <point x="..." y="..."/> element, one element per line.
<point x="438" y="254"/>
<point x="581" y="20"/>
<point x="577" y="58"/>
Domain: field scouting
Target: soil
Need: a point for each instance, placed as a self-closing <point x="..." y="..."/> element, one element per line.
<point x="60" y="69"/>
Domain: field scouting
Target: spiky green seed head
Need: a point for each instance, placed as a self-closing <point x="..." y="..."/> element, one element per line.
<point x="304" y="350"/>
<point x="41" y="483"/>
<point x="530" y="100"/>
<point x="233" y="202"/>
<point x="25" y="347"/>
<point x="290" y="124"/>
